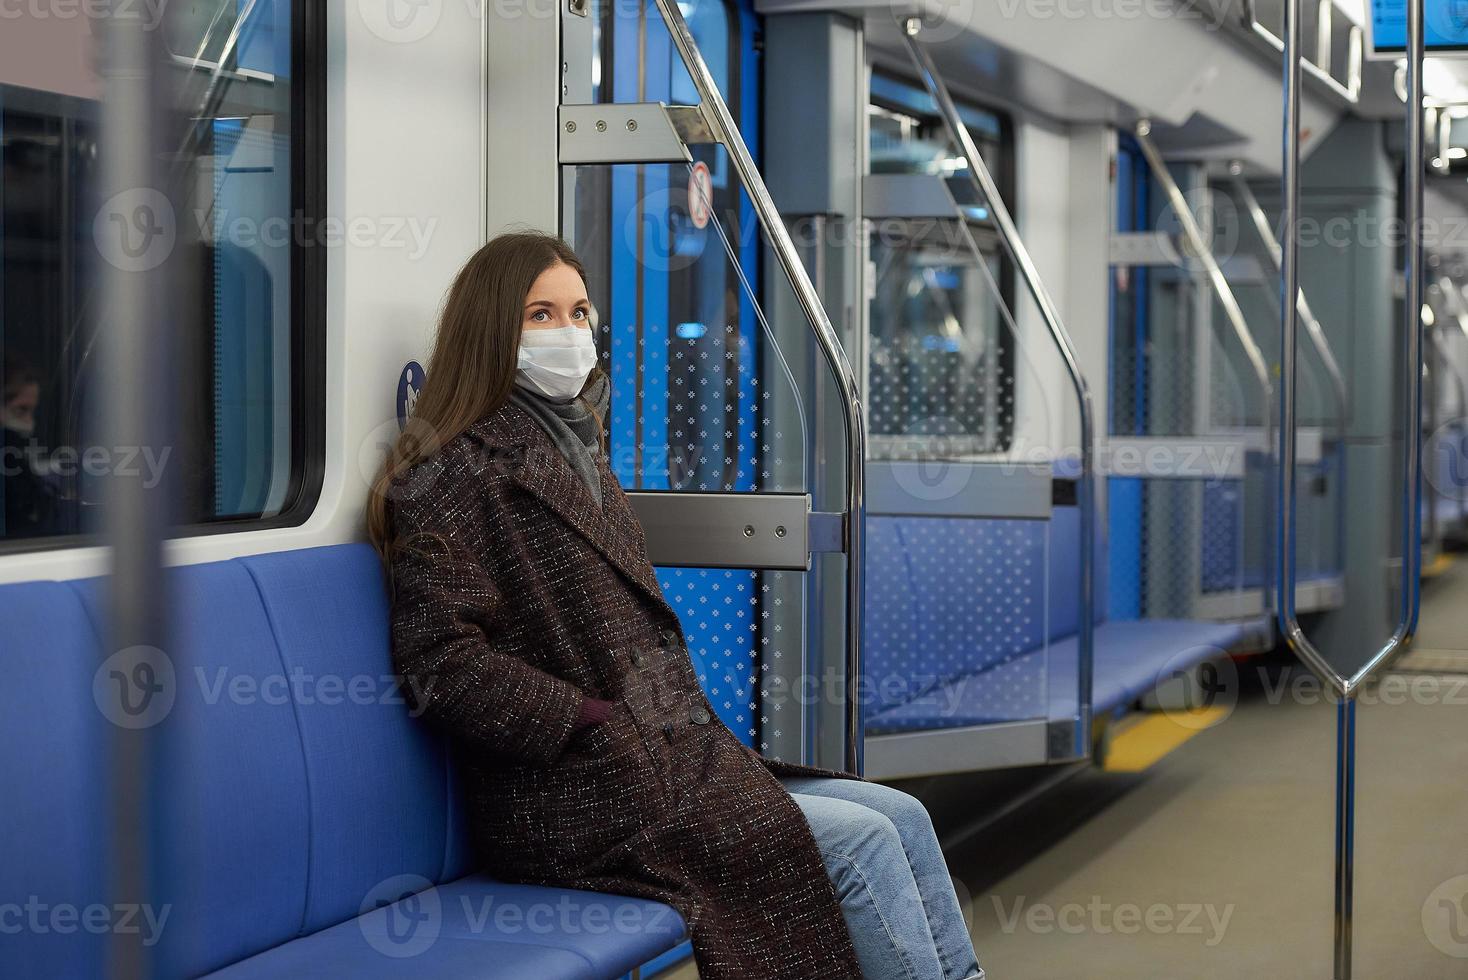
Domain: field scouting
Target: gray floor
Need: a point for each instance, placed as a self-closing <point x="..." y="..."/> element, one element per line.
<point x="1227" y="842"/>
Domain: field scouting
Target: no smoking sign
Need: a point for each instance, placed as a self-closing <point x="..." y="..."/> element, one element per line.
<point x="700" y="194"/>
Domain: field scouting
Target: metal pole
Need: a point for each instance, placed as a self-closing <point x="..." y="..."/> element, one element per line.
<point x="721" y="123"/>
<point x="1346" y="687"/>
<point x="1345" y="830"/>
<point x="983" y="181"/>
<point x="136" y="256"/>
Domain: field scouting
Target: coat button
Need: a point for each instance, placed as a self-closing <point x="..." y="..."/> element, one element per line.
<point x="699" y="715"/>
<point x="639" y="659"/>
<point x="670" y="637"/>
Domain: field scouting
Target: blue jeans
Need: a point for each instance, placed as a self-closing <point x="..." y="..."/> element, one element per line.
<point x="882" y="855"/>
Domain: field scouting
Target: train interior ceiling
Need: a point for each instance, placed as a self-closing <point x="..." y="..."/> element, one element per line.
<point x="977" y="304"/>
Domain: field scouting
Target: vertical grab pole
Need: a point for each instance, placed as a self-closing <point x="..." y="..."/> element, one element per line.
<point x="1346" y="687"/>
<point x="1009" y="234"/>
<point x="721" y="123"/>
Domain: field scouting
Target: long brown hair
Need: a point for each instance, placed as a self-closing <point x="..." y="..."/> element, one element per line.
<point x="472" y="369"/>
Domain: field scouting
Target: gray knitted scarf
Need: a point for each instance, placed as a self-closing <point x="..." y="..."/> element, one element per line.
<point x="571" y="426"/>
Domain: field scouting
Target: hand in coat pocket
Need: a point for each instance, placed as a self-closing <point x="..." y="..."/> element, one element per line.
<point x="595" y="740"/>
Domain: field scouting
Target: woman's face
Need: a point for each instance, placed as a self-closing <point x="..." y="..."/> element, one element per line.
<point x="557" y="299"/>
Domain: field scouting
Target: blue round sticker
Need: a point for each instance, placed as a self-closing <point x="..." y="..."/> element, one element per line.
<point x="410" y="382"/>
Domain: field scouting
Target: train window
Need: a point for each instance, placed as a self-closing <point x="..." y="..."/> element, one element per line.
<point x="941" y="361"/>
<point x="248" y="438"/>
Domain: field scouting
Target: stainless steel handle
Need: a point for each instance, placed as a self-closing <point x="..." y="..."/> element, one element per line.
<point x="1009" y="234"/>
<point x="721" y="123"/>
<point x="1347" y="686"/>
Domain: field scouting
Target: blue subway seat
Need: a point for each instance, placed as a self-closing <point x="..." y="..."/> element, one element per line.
<point x="1131" y="658"/>
<point x="478" y="927"/>
<point x="53" y="827"/>
<point x="974" y="622"/>
<point x="303" y="823"/>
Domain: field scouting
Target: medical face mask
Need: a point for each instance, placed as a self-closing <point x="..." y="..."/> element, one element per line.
<point x="18" y="424"/>
<point x="555" y="360"/>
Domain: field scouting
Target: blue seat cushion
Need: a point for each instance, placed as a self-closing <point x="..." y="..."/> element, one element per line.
<point x="477" y="927"/>
<point x="364" y="753"/>
<point x="54" y="820"/>
<point x="1131" y="657"/>
<point x="233" y="806"/>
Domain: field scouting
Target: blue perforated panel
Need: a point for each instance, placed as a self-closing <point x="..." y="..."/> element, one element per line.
<point x="948" y="597"/>
<point x="1223" y="513"/>
<point x="719" y="610"/>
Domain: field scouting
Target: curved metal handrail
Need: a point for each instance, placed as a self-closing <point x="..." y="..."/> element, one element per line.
<point x="721" y="124"/>
<point x="1348" y="686"/>
<point x="1009" y="235"/>
<point x="1221" y="289"/>
<point x="1313" y="329"/>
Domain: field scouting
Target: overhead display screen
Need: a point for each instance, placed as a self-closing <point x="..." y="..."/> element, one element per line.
<point x="1445" y="27"/>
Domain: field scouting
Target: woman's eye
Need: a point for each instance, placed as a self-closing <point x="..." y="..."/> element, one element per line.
<point x="539" y="316"/>
<point x="581" y="314"/>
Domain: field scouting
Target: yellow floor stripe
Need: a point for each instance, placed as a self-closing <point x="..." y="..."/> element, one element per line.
<point x="1440" y="564"/>
<point x="1141" y="740"/>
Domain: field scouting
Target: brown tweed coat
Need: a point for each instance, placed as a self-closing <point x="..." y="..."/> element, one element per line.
<point x="522" y="597"/>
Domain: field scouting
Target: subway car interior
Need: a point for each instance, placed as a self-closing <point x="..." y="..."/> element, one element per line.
<point x="1056" y="409"/>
